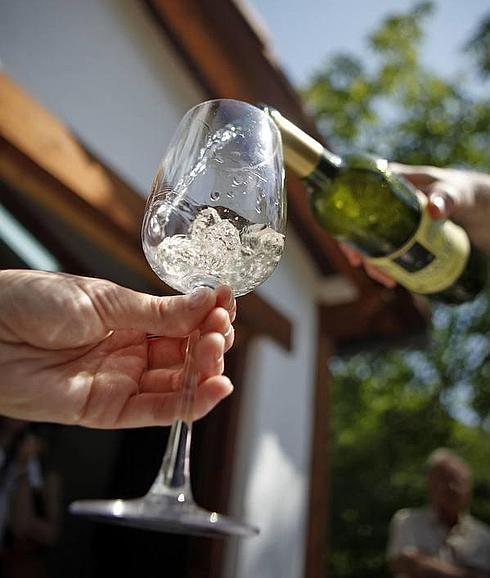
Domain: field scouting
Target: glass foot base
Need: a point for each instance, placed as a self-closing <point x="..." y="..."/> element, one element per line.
<point x="162" y="513"/>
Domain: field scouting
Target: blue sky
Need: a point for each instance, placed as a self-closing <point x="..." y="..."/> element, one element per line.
<point x="302" y="33"/>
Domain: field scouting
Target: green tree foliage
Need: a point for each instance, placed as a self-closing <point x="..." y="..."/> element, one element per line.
<point x="391" y="409"/>
<point x="395" y="106"/>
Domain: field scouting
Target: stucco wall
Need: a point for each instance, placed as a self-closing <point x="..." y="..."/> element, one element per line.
<point x="105" y="69"/>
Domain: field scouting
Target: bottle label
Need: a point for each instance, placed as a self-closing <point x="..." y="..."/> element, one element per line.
<point x="432" y="260"/>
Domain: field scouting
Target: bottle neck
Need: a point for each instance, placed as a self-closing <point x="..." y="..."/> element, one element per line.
<point x="305" y="156"/>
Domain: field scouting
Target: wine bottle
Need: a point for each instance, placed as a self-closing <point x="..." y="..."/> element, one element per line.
<point x="361" y="202"/>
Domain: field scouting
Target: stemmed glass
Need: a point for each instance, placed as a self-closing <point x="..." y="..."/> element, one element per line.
<point x="216" y="216"/>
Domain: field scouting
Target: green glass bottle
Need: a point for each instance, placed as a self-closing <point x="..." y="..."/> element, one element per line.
<point x="362" y="203"/>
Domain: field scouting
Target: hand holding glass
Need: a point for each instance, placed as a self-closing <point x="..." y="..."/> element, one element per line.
<point x="216" y="216"/>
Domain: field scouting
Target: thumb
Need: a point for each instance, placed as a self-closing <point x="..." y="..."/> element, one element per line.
<point x="444" y="200"/>
<point x="176" y="316"/>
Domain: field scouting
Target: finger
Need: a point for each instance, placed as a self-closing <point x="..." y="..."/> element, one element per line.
<point x="226" y="299"/>
<point x="161" y="381"/>
<point x="208" y="355"/>
<point x="357" y="259"/>
<point x="169" y="353"/>
<point x="208" y="358"/>
<point x="219" y="321"/>
<point x="229" y="338"/>
<point x="444" y="200"/>
<point x="354" y="258"/>
<point x="148" y="409"/>
<point x="419" y="175"/>
<point x="158" y="409"/>
<point x="209" y="393"/>
<point x="165" y="352"/>
<point x="379" y="276"/>
<point x="122" y="308"/>
<point x="428" y="180"/>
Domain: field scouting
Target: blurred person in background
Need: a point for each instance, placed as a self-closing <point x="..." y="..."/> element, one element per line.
<point x="30" y="494"/>
<point x="12" y="432"/>
<point x="442" y="540"/>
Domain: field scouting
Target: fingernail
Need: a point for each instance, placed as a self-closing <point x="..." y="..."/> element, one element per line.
<point x="438" y="202"/>
<point x="198" y="297"/>
<point x="228" y="332"/>
<point x="231" y="299"/>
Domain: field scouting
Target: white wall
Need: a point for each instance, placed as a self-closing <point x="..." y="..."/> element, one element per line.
<point x="271" y="477"/>
<point x="106" y="70"/>
<point x="102" y="67"/>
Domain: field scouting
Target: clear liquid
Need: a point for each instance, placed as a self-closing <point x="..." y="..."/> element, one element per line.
<point x="189" y="245"/>
<point x="177" y="194"/>
<point x="218" y="249"/>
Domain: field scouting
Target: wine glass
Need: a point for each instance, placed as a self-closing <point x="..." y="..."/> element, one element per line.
<point x="216" y="216"/>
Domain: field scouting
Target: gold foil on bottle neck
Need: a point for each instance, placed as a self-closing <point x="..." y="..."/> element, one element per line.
<point x="302" y="153"/>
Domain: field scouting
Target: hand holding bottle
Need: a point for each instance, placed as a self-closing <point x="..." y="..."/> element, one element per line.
<point x="463" y="196"/>
<point x="362" y="201"/>
<point x="460" y="195"/>
<point x="359" y="199"/>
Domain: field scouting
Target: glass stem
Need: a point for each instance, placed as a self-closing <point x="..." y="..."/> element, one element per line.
<point x="174" y="475"/>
